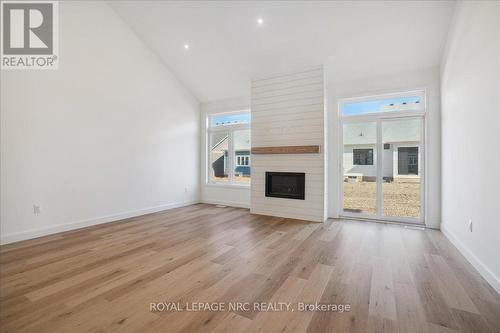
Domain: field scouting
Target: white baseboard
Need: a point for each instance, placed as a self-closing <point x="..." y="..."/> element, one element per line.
<point x="49" y="230"/>
<point x="227" y="203"/>
<point x="485" y="272"/>
<point x="288" y="216"/>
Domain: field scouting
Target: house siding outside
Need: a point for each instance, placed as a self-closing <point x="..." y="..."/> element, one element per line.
<point x="390" y="161"/>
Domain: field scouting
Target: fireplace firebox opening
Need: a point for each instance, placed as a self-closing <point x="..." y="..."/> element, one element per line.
<point x="288" y="185"/>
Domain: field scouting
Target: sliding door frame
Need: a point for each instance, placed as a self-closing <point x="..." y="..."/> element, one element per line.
<point x="378" y="119"/>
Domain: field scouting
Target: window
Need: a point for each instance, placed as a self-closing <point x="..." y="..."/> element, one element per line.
<point x="226" y="119"/>
<point x="219" y="145"/>
<point x="408" y="161"/>
<point x="243" y="160"/>
<point x="383" y="167"/>
<point x="229" y="148"/>
<point x="404" y="102"/>
<point x="362" y="156"/>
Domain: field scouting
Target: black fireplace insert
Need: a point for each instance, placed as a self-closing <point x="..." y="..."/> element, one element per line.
<point x="288" y="185"/>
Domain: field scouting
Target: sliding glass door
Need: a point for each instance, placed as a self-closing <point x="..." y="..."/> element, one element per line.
<point x="382" y="173"/>
<point x="402" y="172"/>
<point x="360" y="168"/>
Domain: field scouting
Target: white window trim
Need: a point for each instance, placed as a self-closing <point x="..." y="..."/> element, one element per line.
<point x="378" y="118"/>
<point x="386" y="114"/>
<point x="230" y="129"/>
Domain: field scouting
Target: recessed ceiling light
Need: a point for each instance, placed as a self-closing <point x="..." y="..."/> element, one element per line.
<point x="260" y="21"/>
<point x="186" y="46"/>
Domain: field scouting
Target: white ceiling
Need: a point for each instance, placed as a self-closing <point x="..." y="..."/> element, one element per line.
<point x="227" y="47"/>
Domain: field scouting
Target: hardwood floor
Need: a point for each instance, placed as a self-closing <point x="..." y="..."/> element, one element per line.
<point x="104" y="278"/>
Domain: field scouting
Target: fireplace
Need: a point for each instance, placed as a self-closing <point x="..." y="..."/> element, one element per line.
<point x="288" y="185"/>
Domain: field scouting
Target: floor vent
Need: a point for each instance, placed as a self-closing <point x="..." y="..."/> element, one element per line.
<point x="414" y="227"/>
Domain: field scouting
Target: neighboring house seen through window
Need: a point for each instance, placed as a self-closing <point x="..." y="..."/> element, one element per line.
<point x="229" y="148"/>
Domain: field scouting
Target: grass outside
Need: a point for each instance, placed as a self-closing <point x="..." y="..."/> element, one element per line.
<point x="399" y="198"/>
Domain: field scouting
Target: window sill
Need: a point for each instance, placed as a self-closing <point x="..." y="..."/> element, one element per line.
<point x="229" y="185"/>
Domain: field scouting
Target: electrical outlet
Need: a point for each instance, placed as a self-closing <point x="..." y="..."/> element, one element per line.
<point x="185" y="189"/>
<point x="470" y="225"/>
<point x="36" y="209"/>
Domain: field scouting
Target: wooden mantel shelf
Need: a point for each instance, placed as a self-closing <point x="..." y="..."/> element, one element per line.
<point x="287" y="150"/>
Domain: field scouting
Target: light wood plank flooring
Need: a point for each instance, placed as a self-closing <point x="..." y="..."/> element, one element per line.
<point x="103" y="278"/>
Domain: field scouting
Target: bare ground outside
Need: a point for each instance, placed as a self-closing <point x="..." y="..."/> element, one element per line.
<point x="245" y="180"/>
<point x="399" y="198"/>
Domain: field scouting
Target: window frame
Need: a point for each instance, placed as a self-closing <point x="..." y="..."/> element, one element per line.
<point x="396" y="162"/>
<point x="231" y="162"/>
<point x="421" y="93"/>
<point x="378" y="118"/>
<point x="367" y="151"/>
<point x="244" y="158"/>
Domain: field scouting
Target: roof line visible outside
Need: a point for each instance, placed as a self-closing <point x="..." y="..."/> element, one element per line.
<point x="218" y="143"/>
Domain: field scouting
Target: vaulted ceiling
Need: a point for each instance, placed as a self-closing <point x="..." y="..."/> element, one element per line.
<point x="227" y="46"/>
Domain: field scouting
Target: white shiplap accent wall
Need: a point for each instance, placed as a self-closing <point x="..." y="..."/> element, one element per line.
<point x="289" y="110"/>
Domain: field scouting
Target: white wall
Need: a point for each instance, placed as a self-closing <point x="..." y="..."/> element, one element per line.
<point x="424" y="78"/>
<point x="109" y="134"/>
<point x="231" y="195"/>
<point x="389" y="158"/>
<point x="471" y="136"/>
<point x="289" y="110"/>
